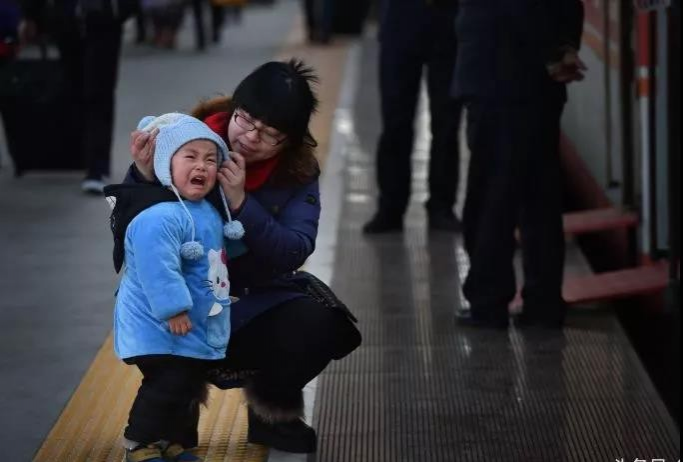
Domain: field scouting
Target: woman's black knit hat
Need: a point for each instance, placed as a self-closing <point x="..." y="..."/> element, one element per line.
<point x="279" y="94"/>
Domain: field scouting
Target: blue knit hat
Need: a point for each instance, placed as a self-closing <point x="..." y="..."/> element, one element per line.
<point x="176" y="130"/>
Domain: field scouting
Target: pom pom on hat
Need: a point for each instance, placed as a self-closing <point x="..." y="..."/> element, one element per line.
<point x="192" y="250"/>
<point x="233" y="230"/>
<point x="145" y="122"/>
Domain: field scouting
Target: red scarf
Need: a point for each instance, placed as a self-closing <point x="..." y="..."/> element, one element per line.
<point x="258" y="172"/>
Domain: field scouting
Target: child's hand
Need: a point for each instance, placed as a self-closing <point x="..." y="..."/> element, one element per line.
<point x="180" y="324"/>
<point x="142" y="146"/>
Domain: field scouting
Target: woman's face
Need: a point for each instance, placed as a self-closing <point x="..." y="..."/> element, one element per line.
<point x="254" y="140"/>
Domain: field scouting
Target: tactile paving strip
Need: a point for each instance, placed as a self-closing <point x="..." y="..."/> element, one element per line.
<point x="91" y="425"/>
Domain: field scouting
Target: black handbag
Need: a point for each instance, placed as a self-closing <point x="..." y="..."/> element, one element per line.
<point x="321" y="292"/>
<point x="225" y="379"/>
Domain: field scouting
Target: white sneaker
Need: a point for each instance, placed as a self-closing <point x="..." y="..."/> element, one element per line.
<point x="92" y="186"/>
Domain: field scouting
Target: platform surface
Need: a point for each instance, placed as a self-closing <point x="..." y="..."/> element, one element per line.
<point x="423" y="388"/>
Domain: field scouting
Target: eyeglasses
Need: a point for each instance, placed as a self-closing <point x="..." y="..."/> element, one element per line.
<point x="249" y="125"/>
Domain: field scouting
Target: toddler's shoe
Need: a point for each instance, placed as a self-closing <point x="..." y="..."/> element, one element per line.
<point x="150" y="453"/>
<point x="176" y="453"/>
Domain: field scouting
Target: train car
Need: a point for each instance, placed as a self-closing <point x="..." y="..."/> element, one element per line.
<point x="621" y="153"/>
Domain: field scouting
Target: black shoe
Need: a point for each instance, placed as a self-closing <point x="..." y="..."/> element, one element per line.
<point x="467" y="319"/>
<point x="525" y="320"/>
<point x="444" y="220"/>
<point x="382" y="223"/>
<point x="295" y="436"/>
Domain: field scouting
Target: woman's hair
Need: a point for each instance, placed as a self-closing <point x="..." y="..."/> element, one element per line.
<point x="280" y="95"/>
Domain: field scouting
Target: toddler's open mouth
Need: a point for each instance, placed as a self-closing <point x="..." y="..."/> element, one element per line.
<point x="198" y="181"/>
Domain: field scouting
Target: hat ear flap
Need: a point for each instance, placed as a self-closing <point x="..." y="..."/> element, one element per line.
<point x="145" y="121"/>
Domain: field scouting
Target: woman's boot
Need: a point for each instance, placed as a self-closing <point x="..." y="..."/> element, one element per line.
<point x="276" y="419"/>
<point x="294" y="436"/>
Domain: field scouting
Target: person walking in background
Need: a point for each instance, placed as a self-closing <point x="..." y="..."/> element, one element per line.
<point x="416" y="36"/>
<point x="514" y="62"/>
<point x="88" y="36"/>
<point x="140" y="28"/>
<point x="222" y="10"/>
<point x="171" y="241"/>
<point x="166" y="17"/>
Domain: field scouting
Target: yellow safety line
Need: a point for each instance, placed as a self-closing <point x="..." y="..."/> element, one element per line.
<point x="91" y="425"/>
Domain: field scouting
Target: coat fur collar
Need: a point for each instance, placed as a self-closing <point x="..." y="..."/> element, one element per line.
<point x="211" y="106"/>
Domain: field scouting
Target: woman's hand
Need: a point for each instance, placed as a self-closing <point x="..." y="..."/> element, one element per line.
<point x="232" y="177"/>
<point x="180" y="324"/>
<point x="570" y="69"/>
<point x="142" y="146"/>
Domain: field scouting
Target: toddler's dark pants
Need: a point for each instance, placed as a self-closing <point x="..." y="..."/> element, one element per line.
<point x="167" y="403"/>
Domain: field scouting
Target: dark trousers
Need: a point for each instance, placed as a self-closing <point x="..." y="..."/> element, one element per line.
<point x="167" y="404"/>
<point x="217" y="22"/>
<point x="318" y="15"/>
<point x="289" y="346"/>
<point x="410" y="46"/>
<point x="514" y="181"/>
<point x="90" y="50"/>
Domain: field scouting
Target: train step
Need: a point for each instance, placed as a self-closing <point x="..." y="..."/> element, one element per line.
<point x="614" y="285"/>
<point x="611" y="285"/>
<point x="596" y="220"/>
